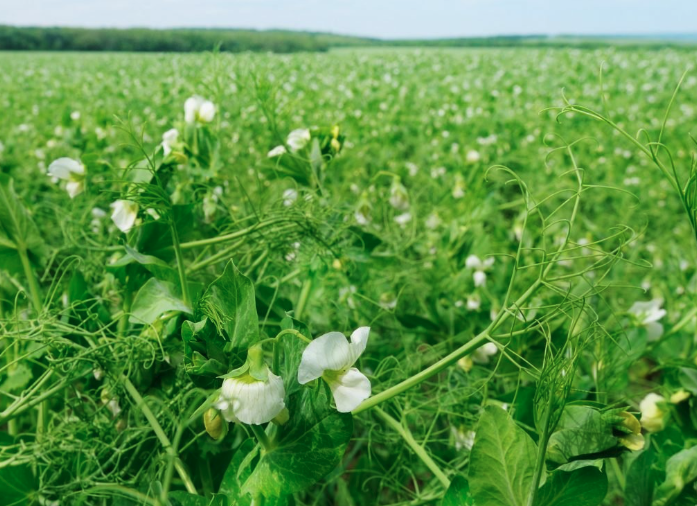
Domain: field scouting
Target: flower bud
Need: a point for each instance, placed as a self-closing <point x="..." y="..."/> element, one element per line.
<point x="216" y="426"/>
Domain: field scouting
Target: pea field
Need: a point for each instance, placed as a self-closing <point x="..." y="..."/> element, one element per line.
<point x="361" y="277"/>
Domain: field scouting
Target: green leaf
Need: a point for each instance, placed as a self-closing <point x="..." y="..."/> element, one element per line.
<point x="681" y="470"/>
<point x="153" y="299"/>
<point x="17" y="484"/>
<point x="310" y="445"/>
<point x="203" y="352"/>
<point x="581" y="431"/>
<point x="458" y="493"/>
<point x="18" y="378"/>
<point x="18" y="232"/>
<point x="638" y="488"/>
<point x="688" y="379"/>
<point x="157" y="267"/>
<point x="502" y="461"/>
<point x="584" y="487"/>
<point x="229" y="303"/>
<point x="293" y="348"/>
<point x="236" y="474"/>
<point x="180" y="498"/>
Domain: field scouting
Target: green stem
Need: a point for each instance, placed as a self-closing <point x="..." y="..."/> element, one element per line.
<point x="31" y="280"/>
<point x="292" y="332"/>
<point x="231" y="236"/>
<point x="302" y="299"/>
<point x="446" y="361"/>
<point x="540" y="461"/>
<point x="261" y="436"/>
<point x="415" y="447"/>
<point x="180" y="265"/>
<point x="164" y="440"/>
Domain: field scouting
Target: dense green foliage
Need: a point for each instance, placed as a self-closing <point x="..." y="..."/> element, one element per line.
<point x="277" y="41"/>
<point x="180" y="40"/>
<point x="524" y="259"/>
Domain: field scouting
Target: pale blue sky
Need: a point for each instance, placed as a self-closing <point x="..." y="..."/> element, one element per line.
<point x="378" y="18"/>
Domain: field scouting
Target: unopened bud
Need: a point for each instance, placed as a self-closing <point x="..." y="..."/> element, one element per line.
<point x="216" y="426"/>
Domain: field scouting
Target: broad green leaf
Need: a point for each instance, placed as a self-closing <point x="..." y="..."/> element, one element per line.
<point x="18" y="485"/>
<point x="180" y="498"/>
<point x="502" y="461"/>
<point x="229" y="303"/>
<point x="458" y="493"/>
<point x="581" y="431"/>
<point x="157" y="267"/>
<point x="236" y="474"/>
<point x="292" y="350"/>
<point x="155" y="298"/>
<point x="681" y="470"/>
<point x="203" y="350"/>
<point x="584" y="487"/>
<point x="18" y="377"/>
<point x="18" y="232"/>
<point x="638" y="488"/>
<point x="688" y="379"/>
<point x="310" y="445"/>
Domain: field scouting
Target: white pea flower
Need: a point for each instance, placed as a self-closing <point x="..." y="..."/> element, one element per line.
<point x="289" y="196"/>
<point x="71" y="171"/>
<point x="479" y="266"/>
<point x="464" y="440"/>
<point x="473" y="156"/>
<point x="648" y="314"/>
<point x="399" y="198"/>
<point x="252" y="394"/>
<point x="482" y="354"/>
<point x="124" y="215"/>
<point x="652" y="415"/>
<point x="277" y="151"/>
<point x="298" y="139"/>
<point x="402" y="219"/>
<point x="197" y="108"/>
<point x="332" y="357"/>
<point x="169" y="139"/>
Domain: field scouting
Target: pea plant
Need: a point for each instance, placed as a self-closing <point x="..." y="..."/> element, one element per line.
<point x="204" y="318"/>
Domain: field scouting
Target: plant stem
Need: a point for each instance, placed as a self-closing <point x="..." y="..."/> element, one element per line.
<point x="415" y="447"/>
<point x="540" y="461"/>
<point x="445" y="361"/>
<point x="164" y="440"/>
<point x="180" y="265"/>
<point x="231" y="236"/>
<point x="31" y="280"/>
<point x="302" y="300"/>
<point x="261" y="436"/>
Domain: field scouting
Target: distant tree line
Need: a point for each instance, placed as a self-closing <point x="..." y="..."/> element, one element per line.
<point x="277" y="41"/>
<point x="179" y="40"/>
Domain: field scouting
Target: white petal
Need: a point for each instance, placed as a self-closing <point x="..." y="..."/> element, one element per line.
<point x="479" y="278"/>
<point x="125" y="214"/>
<point x="330" y="351"/>
<point x="488" y="262"/>
<point x="191" y="107"/>
<point x="74" y="188"/>
<point x="254" y="402"/>
<point x="62" y="168"/>
<point x="277" y="151"/>
<point x="298" y="139"/>
<point x="359" y="341"/>
<point x="206" y="112"/>
<point x="349" y="390"/>
<point x="473" y="262"/>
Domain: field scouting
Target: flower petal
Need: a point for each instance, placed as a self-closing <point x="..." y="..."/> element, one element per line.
<point x="473" y="262"/>
<point x="253" y="402"/>
<point x="330" y="351"/>
<point x="74" y="188"/>
<point x="124" y="215"/>
<point x="359" y="340"/>
<point x="349" y="390"/>
<point x="63" y="167"/>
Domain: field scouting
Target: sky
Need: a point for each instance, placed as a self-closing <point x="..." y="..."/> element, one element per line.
<point x="373" y="18"/>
